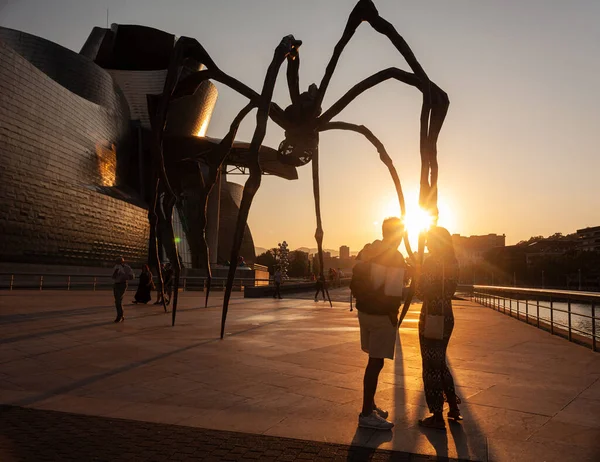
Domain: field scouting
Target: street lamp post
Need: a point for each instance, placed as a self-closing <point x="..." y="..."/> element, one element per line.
<point x="543" y="285"/>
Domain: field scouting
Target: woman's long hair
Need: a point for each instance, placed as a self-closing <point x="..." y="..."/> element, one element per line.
<point x="442" y="241"/>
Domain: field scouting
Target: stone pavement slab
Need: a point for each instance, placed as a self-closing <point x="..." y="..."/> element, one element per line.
<point x="36" y="435"/>
<point x="293" y="368"/>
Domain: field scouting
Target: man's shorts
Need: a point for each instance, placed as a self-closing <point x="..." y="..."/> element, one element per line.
<point x="377" y="335"/>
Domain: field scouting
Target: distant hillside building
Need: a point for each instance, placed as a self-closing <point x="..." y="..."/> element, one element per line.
<point x="344" y="252"/>
<point x="470" y="250"/>
<point x="589" y="239"/>
<point x="548" y="248"/>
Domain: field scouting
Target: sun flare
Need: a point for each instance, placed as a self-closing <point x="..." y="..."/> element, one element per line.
<point x="417" y="220"/>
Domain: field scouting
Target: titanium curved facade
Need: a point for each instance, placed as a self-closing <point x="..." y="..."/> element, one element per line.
<point x="231" y="198"/>
<point x="74" y="148"/>
<point x="59" y="151"/>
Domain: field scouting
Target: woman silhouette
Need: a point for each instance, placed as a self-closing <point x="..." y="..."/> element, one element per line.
<point x="436" y="286"/>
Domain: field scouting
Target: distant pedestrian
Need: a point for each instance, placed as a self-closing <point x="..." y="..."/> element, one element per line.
<point x="436" y="286"/>
<point x="277" y="279"/>
<point x="320" y="285"/>
<point x="121" y="274"/>
<point x="145" y="286"/>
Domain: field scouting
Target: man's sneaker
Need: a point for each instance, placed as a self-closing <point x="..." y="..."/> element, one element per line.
<point x="381" y="412"/>
<point x="374" y="421"/>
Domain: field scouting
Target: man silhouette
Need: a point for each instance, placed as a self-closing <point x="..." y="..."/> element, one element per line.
<point x="377" y="283"/>
<point x="121" y="274"/>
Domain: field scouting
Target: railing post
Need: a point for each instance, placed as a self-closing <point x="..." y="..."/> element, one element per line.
<point x="526" y="310"/>
<point x="504" y="304"/>
<point x="518" y="315"/>
<point x="569" y="314"/>
<point x="12" y="281"/>
<point x="184" y="283"/>
<point x="593" y="326"/>
<point x="538" y="312"/>
<point x="68" y="282"/>
<point x="551" y="316"/>
<point x="41" y="282"/>
<point x="94" y="283"/>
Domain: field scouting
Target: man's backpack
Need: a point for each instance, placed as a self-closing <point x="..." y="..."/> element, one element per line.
<point x="377" y="288"/>
<point x="360" y="284"/>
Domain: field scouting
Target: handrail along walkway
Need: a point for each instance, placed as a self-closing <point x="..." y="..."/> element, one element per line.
<point x="525" y="304"/>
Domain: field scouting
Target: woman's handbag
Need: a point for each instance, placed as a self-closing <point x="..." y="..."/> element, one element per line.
<point x="434" y="324"/>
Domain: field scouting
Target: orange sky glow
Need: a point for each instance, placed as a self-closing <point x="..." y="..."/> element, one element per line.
<point x="518" y="154"/>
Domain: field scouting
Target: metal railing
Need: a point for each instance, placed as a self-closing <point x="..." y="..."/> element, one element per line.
<point x="568" y="314"/>
<point x="60" y="281"/>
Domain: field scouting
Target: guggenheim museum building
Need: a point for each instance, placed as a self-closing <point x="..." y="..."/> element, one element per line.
<point x="75" y="152"/>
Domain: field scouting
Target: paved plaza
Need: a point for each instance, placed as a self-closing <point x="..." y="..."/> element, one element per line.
<point x="284" y="384"/>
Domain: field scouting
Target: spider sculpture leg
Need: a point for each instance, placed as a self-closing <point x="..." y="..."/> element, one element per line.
<point x="434" y="99"/>
<point x="171" y="248"/>
<point x="206" y="256"/>
<point x="319" y="231"/>
<point x="438" y="108"/>
<point x="189" y="85"/>
<point x="215" y="161"/>
<point x="158" y="110"/>
<point x="383" y="156"/>
<point x="287" y="45"/>
<point x="365" y="10"/>
<point x="387" y="160"/>
<point x="153" y="244"/>
<point x="168" y="243"/>
<point x="189" y="48"/>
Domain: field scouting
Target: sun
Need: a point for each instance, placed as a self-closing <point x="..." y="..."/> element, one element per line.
<point x="417" y="220"/>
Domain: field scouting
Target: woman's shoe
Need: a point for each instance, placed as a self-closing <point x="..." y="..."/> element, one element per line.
<point x="433" y="422"/>
<point x="455" y="415"/>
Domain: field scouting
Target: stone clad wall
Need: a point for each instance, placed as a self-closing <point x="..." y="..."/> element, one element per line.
<point x="57" y="150"/>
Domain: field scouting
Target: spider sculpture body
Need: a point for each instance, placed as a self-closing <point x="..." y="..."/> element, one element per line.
<point x="303" y="121"/>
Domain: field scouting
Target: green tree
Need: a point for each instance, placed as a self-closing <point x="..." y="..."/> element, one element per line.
<point x="267" y="259"/>
<point x="298" y="264"/>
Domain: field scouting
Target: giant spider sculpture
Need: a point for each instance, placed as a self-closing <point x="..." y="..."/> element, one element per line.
<point x="302" y="121"/>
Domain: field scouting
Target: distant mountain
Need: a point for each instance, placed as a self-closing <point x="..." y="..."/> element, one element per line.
<point x="259" y="250"/>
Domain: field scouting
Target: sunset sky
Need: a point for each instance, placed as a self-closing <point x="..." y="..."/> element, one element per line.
<point x="519" y="153"/>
